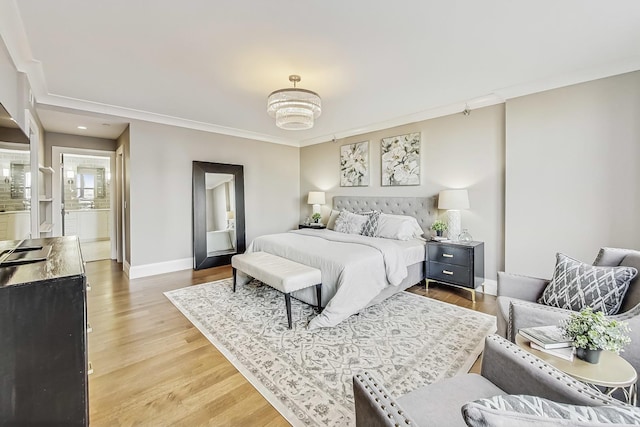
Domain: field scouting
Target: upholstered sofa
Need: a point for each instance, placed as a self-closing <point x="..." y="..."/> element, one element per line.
<point x="506" y="370"/>
<point x="517" y="306"/>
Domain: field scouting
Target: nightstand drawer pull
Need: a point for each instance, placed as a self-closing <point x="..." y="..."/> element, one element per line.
<point x="450" y="273"/>
<point x="89" y="328"/>
<point x="90" y="369"/>
<point x="447" y="255"/>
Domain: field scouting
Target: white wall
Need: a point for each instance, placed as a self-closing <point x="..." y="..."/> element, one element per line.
<point x="55" y="139"/>
<point x="161" y="190"/>
<point x="572" y="175"/>
<point x="457" y="152"/>
<point x="9" y="97"/>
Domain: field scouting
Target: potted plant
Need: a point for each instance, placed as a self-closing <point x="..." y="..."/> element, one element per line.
<point x="316" y="217"/>
<point x="439" y="226"/>
<point x="592" y="332"/>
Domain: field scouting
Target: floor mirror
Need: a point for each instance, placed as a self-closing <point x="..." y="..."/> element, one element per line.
<point x="218" y="213"/>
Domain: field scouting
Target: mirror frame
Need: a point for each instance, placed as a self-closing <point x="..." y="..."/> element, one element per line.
<point x="200" y="169"/>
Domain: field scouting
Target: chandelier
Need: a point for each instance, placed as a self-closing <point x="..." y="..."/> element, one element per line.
<point x="294" y="108"/>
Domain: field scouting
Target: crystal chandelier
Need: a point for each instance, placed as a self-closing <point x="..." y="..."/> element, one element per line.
<point x="294" y="108"/>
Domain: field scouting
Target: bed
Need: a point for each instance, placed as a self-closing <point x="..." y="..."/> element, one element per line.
<point x="357" y="271"/>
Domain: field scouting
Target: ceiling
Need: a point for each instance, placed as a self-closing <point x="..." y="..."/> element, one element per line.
<point x="210" y="65"/>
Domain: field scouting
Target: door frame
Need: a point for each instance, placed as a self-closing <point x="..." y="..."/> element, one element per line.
<point x="34" y="150"/>
<point x="56" y="164"/>
<point x="118" y="177"/>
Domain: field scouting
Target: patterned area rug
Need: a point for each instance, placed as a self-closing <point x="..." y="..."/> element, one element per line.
<point x="408" y="341"/>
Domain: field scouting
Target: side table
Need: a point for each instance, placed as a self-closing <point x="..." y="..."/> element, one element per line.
<point x="457" y="264"/>
<point x="315" y="226"/>
<point x="612" y="373"/>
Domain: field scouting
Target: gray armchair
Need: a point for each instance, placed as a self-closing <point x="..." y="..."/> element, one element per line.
<point x="506" y="369"/>
<point x="517" y="306"/>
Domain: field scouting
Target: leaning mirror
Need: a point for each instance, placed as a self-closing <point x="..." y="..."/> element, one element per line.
<point x="218" y="213"/>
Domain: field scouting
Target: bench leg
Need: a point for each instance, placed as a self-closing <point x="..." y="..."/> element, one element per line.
<point x="287" y="300"/>
<point x="234" y="280"/>
<point x="319" y="295"/>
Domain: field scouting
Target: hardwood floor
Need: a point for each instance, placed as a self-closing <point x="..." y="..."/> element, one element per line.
<point x="153" y="367"/>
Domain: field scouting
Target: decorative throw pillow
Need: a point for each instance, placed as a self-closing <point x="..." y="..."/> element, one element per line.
<point x="350" y="223"/>
<point x="413" y="223"/>
<point x="370" y="227"/>
<point x="524" y="411"/>
<point x="576" y="285"/>
<point x="633" y="294"/>
<point x="398" y="227"/>
<point x="331" y="224"/>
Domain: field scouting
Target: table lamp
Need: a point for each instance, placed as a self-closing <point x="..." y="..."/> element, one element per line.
<point x="453" y="201"/>
<point x="316" y="198"/>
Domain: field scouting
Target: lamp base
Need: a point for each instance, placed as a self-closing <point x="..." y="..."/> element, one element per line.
<point x="453" y="224"/>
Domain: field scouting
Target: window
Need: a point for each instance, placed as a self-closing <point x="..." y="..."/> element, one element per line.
<point x="90" y="183"/>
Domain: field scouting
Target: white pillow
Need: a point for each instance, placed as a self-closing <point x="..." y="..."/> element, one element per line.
<point x="331" y="223"/>
<point x="350" y="223"/>
<point x="399" y="227"/>
<point x="417" y="230"/>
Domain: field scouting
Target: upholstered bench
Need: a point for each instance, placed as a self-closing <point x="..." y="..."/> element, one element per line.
<point x="280" y="273"/>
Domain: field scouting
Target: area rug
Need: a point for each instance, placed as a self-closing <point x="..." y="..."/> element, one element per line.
<point x="407" y="341"/>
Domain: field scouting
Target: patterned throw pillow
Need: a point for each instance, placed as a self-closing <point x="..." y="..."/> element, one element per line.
<point x="521" y="410"/>
<point x="350" y="223"/>
<point x="370" y="227"/>
<point x="576" y="285"/>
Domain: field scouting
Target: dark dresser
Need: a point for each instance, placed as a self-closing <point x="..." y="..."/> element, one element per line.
<point x="43" y="338"/>
<point x="456" y="264"/>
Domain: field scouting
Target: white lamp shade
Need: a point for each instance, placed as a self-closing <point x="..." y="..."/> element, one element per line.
<point x="231" y="215"/>
<point x="316" y="198"/>
<point x="453" y="199"/>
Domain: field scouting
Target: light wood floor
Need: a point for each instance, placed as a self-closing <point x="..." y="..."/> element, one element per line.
<point x="153" y="367"/>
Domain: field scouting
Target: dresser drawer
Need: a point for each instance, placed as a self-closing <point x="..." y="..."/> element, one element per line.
<point x="456" y="274"/>
<point x="450" y="255"/>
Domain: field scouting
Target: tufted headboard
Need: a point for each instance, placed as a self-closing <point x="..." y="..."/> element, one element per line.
<point x="421" y="208"/>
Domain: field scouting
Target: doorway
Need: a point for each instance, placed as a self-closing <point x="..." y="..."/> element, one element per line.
<point x="86" y="201"/>
<point x="15" y="191"/>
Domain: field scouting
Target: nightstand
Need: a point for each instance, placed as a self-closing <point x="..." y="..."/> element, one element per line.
<point x="457" y="264"/>
<point x="316" y="226"/>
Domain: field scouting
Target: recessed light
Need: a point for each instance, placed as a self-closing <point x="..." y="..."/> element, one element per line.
<point x="82" y="127"/>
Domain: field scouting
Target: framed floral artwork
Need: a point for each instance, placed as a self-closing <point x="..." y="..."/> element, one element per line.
<point x="401" y="160"/>
<point x="354" y="165"/>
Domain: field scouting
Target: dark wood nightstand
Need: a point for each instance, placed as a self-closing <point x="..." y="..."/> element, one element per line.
<point x="316" y="226"/>
<point x="456" y="264"/>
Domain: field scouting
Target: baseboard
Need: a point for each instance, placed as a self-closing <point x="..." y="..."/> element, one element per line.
<point x="137" y="271"/>
<point x="490" y="287"/>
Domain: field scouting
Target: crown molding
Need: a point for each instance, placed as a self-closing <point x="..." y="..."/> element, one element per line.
<point x="498" y="96"/>
<point x="133" y="114"/>
<point x="625" y="65"/>
<point x="15" y="38"/>
<point x="432" y="113"/>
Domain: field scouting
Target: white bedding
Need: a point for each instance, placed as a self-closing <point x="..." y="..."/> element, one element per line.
<point x="355" y="268"/>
